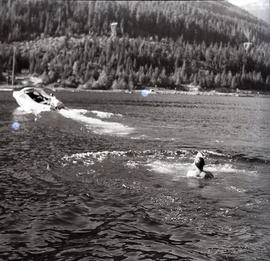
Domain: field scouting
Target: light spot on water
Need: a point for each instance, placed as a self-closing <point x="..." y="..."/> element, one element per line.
<point x="145" y="93"/>
<point x="15" y="126"/>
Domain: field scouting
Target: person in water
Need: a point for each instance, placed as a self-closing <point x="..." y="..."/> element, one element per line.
<point x="197" y="169"/>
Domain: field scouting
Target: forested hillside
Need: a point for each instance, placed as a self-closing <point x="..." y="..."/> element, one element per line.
<point x="165" y="44"/>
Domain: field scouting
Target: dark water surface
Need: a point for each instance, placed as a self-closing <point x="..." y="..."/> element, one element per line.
<point x="105" y="180"/>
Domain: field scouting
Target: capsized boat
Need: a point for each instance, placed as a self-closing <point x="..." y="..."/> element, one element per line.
<point x="36" y="99"/>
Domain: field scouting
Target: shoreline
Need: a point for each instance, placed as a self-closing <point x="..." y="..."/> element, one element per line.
<point x="8" y="88"/>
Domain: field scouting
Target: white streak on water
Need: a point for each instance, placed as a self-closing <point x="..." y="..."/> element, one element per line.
<point x="132" y="164"/>
<point x="165" y="167"/>
<point x="103" y="114"/>
<point x="30" y="110"/>
<point x="20" y="111"/>
<point x="224" y="168"/>
<point x="234" y="188"/>
<point x="96" y="125"/>
<point x="213" y="153"/>
<point x="80" y="111"/>
<point x="88" y="157"/>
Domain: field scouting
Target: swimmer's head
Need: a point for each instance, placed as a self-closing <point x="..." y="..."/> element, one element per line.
<point x="199" y="161"/>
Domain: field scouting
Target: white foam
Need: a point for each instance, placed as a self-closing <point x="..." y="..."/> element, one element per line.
<point x="213" y="153"/>
<point x="219" y="141"/>
<point x="179" y="170"/>
<point x="89" y="158"/>
<point x="96" y="125"/>
<point x="140" y="137"/>
<point x="28" y="110"/>
<point x="165" y="167"/>
<point x="234" y="188"/>
<point x="132" y="164"/>
<point x="20" y="111"/>
<point x="103" y="114"/>
<point x="80" y="111"/>
<point x="225" y="168"/>
<point x="152" y="161"/>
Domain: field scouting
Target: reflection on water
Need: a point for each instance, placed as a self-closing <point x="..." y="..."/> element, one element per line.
<point x="73" y="189"/>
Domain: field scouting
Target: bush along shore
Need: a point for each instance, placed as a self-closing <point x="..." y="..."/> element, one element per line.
<point x="146" y="48"/>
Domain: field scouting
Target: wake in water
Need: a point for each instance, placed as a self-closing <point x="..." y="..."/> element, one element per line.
<point x="96" y="125"/>
<point x="103" y="114"/>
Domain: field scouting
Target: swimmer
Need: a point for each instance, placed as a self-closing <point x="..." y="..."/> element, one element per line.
<point x="197" y="169"/>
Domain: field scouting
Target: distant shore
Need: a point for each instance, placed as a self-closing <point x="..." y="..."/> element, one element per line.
<point x="6" y="87"/>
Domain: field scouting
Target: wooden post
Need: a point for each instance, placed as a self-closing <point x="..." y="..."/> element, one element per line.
<point x="113" y="30"/>
<point x="13" y="65"/>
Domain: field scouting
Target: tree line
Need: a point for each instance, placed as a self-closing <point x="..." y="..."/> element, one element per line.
<point x="199" y="21"/>
<point x="164" y="44"/>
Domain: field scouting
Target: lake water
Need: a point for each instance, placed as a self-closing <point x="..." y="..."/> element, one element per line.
<point x="106" y="179"/>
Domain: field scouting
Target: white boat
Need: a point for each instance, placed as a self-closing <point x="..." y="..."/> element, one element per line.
<point x="37" y="100"/>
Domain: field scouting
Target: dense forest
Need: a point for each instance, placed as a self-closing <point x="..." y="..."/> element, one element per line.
<point x="213" y="45"/>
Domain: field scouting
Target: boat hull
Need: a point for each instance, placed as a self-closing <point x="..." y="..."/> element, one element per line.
<point x="25" y="101"/>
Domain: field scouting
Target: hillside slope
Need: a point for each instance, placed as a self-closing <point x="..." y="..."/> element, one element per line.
<point x="260" y="9"/>
<point x="166" y="44"/>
